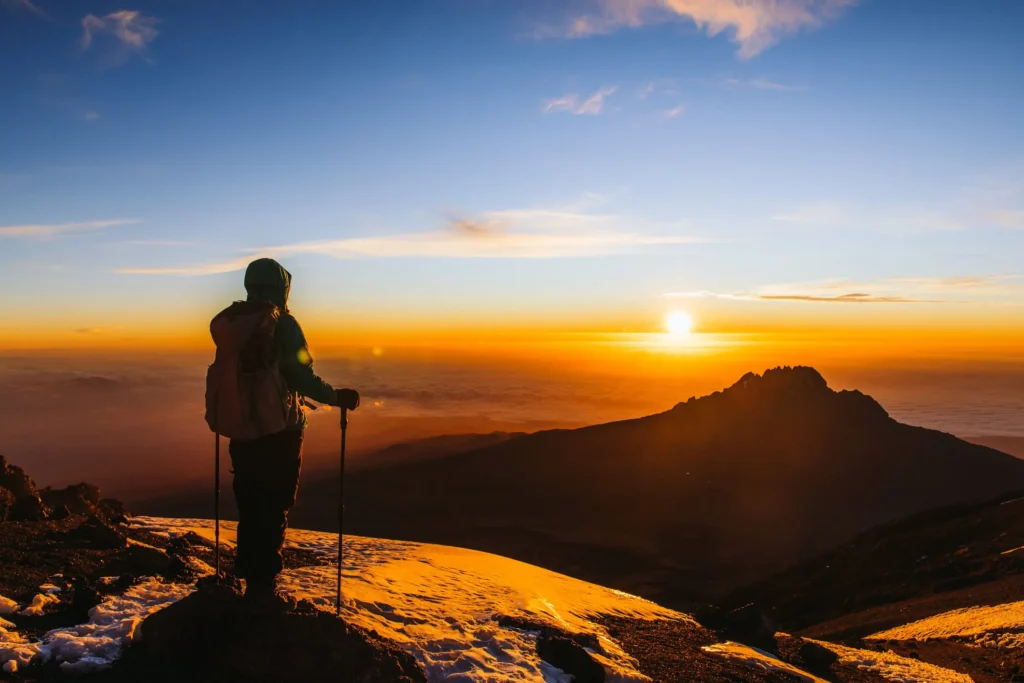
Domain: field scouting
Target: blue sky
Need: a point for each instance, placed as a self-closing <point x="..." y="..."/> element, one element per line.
<point x="537" y="160"/>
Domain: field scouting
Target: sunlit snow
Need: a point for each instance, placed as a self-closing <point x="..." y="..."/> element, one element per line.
<point x="7" y="606"/>
<point x="893" y="667"/>
<point x="758" y="659"/>
<point x="441" y="603"/>
<point x="999" y="626"/>
<point x="112" y="624"/>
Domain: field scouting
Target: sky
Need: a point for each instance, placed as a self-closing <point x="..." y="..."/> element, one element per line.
<point x="834" y="182"/>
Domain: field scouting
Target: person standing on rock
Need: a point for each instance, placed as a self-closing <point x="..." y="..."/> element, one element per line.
<point x="255" y="393"/>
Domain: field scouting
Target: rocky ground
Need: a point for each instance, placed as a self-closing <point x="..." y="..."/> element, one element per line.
<point x="70" y="551"/>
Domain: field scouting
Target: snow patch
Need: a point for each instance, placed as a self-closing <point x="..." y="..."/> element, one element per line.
<point x="96" y="644"/>
<point x="38" y="604"/>
<point x="893" y="667"/>
<point x="7" y="606"/>
<point x="758" y="659"/>
<point x="998" y="626"/>
<point x="441" y="604"/>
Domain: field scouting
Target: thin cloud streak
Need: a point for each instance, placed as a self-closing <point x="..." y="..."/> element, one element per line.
<point x="675" y="112"/>
<point x="896" y="290"/>
<point x="760" y="84"/>
<point x="754" y="25"/>
<point x="49" y="230"/>
<point x="593" y="105"/>
<point x="851" y="298"/>
<point x="513" y="234"/>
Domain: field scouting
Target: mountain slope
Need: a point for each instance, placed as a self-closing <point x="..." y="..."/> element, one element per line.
<point x="422" y="612"/>
<point x="686" y="504"/>
<point x="952" y="557"/>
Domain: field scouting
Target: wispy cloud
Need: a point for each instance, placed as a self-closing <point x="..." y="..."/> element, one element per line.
<point x="754" y="25"/>
<point x="51" y="229"/>
<point x="24" y="6"/>
<point x="760" y="84"/>
<point x="849" y="298"/>
<point x="896" y="290"/>
<point x="93" y="330"/>
<point x="674" y="112"/>
<point x="132" y="31"/>
<point x="91" y="116"/>
<point x="571" y="103"/>
<point x="518" y="234"/>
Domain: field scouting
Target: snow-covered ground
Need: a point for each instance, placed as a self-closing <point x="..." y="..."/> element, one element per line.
<point x="999" y="626"/>
<point x="893" y="667"/>
<point x="112" y="624"/>
<point x="441" y="603"/>
<point x="759" y="659"/>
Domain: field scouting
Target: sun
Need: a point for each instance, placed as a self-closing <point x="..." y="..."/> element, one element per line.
<point x="678" y="323"/>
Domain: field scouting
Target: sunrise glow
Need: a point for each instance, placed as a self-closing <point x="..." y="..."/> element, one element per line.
<point x="679" y="323"/>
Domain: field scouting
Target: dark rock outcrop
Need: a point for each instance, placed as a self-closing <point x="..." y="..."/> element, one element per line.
<point x="28" y="508"/>
<point x="224" y="640"/>
<point x="6" y="503"/>
<point x="569" y="656"/>
<point x="23" y="502"/>
<point x="752" y="626"/>
<point x="817" y="659"/>
<point x="79" y="499"/>
<point x="96" y="533"/>
<point x="14" y="479"/>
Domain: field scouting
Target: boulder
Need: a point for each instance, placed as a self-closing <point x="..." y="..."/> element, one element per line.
<point x="28" y="508"/>
<point x="817" y="658"/>
<point x="223" y="639"/>
<point x="750" y="625"/>
<point x="569" y="656"/>
<point x="14" y="479"/>
<point x="147" y="560"/>
<point x="80" y="499"/>
<point x="96" y="533"/>
<point x="112" y="510"/>
<point x="6" y="503"/>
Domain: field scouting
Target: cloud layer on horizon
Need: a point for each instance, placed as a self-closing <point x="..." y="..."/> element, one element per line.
<point x="895" y="290"/>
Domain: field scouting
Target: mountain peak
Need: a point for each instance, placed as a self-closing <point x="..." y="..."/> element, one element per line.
<point x="784" y="377"/>
<point x="787" y="387"/>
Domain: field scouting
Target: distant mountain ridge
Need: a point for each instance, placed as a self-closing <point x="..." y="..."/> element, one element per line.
<point x="682" y="505"/>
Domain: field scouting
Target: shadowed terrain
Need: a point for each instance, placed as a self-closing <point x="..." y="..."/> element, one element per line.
<point x="683" y="505"/>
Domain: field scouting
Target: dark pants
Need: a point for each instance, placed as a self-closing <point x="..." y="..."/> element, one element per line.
<point x="266" y="482"/>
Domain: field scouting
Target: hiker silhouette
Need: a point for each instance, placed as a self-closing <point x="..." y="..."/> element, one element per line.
<point x="256" y="387"/>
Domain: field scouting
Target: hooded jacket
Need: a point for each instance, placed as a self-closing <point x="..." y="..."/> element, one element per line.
<point x="267" y="280"/>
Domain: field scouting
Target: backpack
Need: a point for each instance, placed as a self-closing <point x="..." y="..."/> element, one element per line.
<point x="246" y="394"/>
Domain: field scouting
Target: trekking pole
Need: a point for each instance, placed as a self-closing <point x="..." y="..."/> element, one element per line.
<point x="341" y="507"/>
<point x="216" y="504"/>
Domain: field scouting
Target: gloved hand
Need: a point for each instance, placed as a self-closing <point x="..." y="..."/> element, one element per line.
<point x="347" y="398"/>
